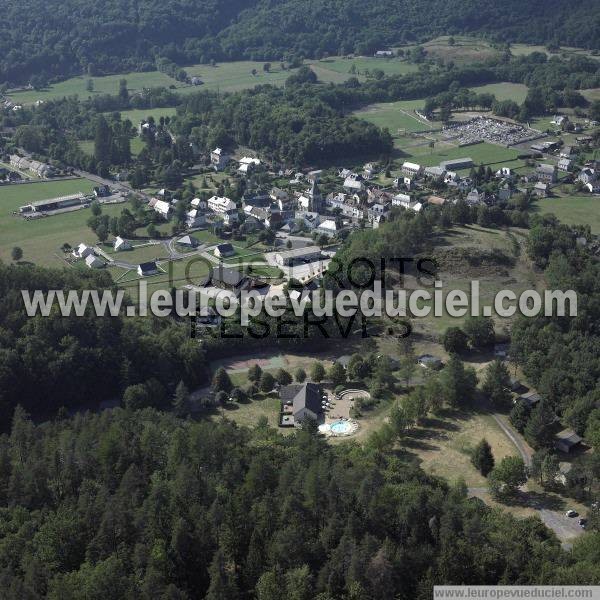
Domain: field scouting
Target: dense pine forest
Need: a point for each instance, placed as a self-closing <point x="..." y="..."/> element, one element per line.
<point x="142" y="505"/>
<point x="50" y="40"/>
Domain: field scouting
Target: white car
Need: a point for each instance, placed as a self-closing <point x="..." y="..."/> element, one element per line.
<point x="571" y="514"/>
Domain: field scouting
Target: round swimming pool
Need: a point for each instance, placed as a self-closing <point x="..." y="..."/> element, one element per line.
<point x="341" y="427"/>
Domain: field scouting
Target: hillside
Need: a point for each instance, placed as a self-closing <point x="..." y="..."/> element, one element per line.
<point x="48" y="40"/>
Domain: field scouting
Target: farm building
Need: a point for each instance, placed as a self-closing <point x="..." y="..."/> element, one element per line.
<point x="457" y="164"/>
<point x="291" y="257"/>
<point x="93" y="262"/>
<point x="121" y="244"/>
<point x="54" y="203"/>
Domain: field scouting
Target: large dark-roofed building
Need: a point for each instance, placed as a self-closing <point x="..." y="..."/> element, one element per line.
<point x="303" y="401"/>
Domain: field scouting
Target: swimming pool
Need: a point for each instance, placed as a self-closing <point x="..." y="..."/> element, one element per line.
<point x="341" y="427"/>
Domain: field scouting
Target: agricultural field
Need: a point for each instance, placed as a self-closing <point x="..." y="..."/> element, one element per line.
<point x="504" y="91"/>
<point x="573" y="210"/>
<point x="464" y="50"/>
<point x="338" y="69"/>
<point x="41" y="239"/>
<point x="235" y="76"/>
<point x="108" y="84"/>
<point x="566" y="51"/>
<point x="592" y="94"/>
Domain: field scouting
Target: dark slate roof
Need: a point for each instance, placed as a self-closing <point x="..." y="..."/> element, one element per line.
<point x="288" y="392"/>
<point x="148" y="266"/>
<point x="230" y="277"/>
<point x="568" y="437"/>
<point x="308" y="396"/>
<point x="225" y="248"/>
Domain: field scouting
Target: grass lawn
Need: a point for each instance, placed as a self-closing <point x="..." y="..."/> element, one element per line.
<point x="249" y="413"/>
<point x="573" y="210"/>
<point x="42" y="238"/>
<point x="135" y="115"/>
<point x="504" y="91"/>
<point x="176" y="274"/>
<point x="139" y="253"/>
<point x="592" y="94"/>
<point x="395" y="116"/>
<point x="442" y="445"/>
<point x="108" y="84"/>
<point x="235" y="76"/>
<point x="482" y="154"/>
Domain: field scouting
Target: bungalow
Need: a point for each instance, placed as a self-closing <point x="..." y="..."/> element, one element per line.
<point x="199" y="204"/>
<point x="224" y="250"/>
<point x="567" y="440"/>
<point x="195" y="218"/>
<point x="566" y="152"/>
<point x="93" y="262"/>
<point x="188" y="241"/>
<point x="121" y="244"/>
<point x="82" y="251"/>
<point x="148" y="268"/>
<point x="163" y="208"/>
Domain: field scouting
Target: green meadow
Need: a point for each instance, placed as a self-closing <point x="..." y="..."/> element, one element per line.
<point x="573" y="210"/>
<point x="504" y="91"/>
<point x="41" y="239"/>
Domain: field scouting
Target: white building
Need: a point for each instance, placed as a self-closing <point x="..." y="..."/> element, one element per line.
<point x="163" y="208"/>
<point x="221" y="205"/>
<point x="121" y="244"/>
<point x="82" y="251"/>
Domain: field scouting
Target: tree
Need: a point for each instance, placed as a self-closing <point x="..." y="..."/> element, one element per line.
<point x="221" y="381"/>
<point x="455" y="340"/>
<point x="300" y="375"/>
<point x="482" y="458"/>
<point x="457" y="383"/>
<point x="238" y="395"/>
<point x="336" y="374"/>
<point x="358" y="369"/>
<point x="16" y="254"/>
<point x="519" y="415"/>
<point x="480" y="332"/>
<point x="181" y="400"/>
<point x="539" y="429"/>
<point x="497" y="384"/>
<point x="267" y="383"/>
<point x="254" y="373"/>
<point x="317" y="372"/>
<point x="103" y="142"/>
<point x="506" y="478"/>
<point x="89" y="85"/>
<point x="283" y="377"/>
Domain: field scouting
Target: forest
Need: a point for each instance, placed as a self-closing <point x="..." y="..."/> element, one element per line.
<point x="50" y="40"/>
<point x="142" y="505"/>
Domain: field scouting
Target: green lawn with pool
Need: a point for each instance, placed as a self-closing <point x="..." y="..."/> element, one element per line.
<point x="41" y="239"/>
<point x="573" y="210"/>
